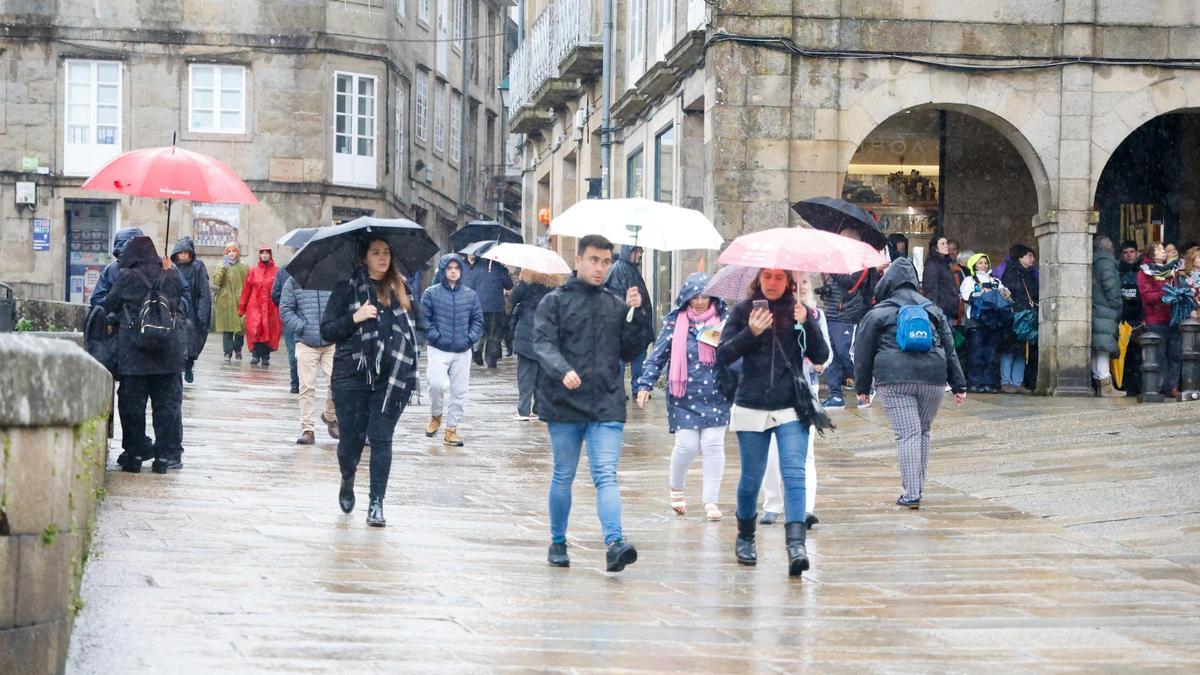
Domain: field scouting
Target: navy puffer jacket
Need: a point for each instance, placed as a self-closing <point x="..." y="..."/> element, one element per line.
<point x="453" y="315"/>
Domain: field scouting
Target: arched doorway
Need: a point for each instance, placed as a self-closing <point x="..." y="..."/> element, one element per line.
<point x="1150" y="187"/>
<point x="949" y="170"/>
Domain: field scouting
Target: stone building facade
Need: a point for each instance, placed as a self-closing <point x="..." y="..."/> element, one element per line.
<point x="329" y="109"/>
<point x="993" y="122"/>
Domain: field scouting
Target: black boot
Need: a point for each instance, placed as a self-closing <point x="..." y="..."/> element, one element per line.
<point x="744" y="547"/>
<point x="129" y="463"/>
<point x="797" y="554"/>
<point x="620" y="554"/>
<point x="811" y="520"/>
<point x="557" y="557"/>
<point x="346" y="495"/>
<point x="375" y="513"/>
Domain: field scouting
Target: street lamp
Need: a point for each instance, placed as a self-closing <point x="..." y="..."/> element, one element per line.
<point x="504" y="100"/>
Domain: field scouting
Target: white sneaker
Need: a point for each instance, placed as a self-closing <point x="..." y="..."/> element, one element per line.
<point x="520" y="418"/>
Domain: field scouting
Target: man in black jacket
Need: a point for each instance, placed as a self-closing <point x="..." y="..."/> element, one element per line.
<point x="1131" y="313"/>
<point x="581" y="338"/>
<point x="625" y="274"/>
<point x="148" y="370"/>
<point x="195" y="276"/>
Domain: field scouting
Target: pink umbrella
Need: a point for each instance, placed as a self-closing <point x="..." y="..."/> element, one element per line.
<point x="802" y="249"/>
<point x="528" y="257"/>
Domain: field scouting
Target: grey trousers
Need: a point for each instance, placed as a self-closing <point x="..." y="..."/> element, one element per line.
<point x="527" y="375"/>
<point x="449" y="377"/>
<point x="911" y="409"/>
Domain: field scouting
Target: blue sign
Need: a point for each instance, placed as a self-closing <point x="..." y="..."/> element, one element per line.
<point x="41" y="234"/>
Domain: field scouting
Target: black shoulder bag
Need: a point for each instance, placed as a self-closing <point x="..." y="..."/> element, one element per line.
<point x="807" y="405"/>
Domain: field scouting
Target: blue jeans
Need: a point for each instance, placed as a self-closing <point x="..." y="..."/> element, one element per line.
<point x="635" y="372"/>
<point x="604" y="451"/>
<point x="841" y="337"/>
<point x="289" y="340"/>
<point x="1012" y="368"/>
<point x="792" y="439"/>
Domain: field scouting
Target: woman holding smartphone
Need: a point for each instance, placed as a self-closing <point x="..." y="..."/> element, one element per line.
<point x="772" y="334"/>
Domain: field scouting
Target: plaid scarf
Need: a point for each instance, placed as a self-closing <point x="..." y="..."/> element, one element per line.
<point x="400" y="342"/>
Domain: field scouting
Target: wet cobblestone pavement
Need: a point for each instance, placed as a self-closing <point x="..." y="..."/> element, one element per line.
<point x="1056" y="534"/>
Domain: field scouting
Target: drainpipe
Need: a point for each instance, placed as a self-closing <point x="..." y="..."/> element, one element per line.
<point x="463" y="112"/>
<point x="606" y="103"/>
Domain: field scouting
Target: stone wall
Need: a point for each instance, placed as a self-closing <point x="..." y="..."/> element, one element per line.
<point x="48" y="315"/>
<point x="53" y="418"/>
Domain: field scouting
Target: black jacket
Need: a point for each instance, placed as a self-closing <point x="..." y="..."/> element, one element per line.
<point x="846" y="298"/>
<point x="765" y="383"/>
<point x="1017" y="280"/>
<point x="582" y="327"/>
<point x="878" y="359"/>
<point x="338" y="327"/>
<point x="141" y="267"/>
<point x="624" y="275"/>
<point x="939" y="285"/>
<point x="1131" y="299"/>
<point x="525" y="300"/>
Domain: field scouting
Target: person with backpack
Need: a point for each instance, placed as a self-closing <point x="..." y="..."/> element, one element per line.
<point x="697" y="409"/>
<point x="195" y="277"/>
<point x="526" y="295"/>
<point x="145" y="304"/>
<point x="989" y="316"/>
<point x="230" y="279"/>
<point x="1021" y="341"/>
<point x="263" y="326"/>
<point x="905" y="348"/>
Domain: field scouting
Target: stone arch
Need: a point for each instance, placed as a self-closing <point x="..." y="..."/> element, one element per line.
<point x="1175" y="94"/>
<point x="1015" y="114"/>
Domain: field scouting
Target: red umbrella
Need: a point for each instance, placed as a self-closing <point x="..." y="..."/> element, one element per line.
<point x="171" y="173"/>
<point x="802" y="249"/>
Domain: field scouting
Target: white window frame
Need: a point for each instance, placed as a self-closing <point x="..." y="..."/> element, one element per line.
<point x="637" y="40"/>
<point x="83" y="158"/>
<point x="423" y="11"/>
<point x="666" y="27"/>
<point x="355" y="168"/>
<point x="456" y="108"/>
<point x="421" y="105"/>
<point x="401" y="137"/>
<point x="439" y="117"/>
<point x="219" y="73"/>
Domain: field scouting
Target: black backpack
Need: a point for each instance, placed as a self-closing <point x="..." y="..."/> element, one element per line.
<point x="98" y="341"/>
<point x="155" y="328"/>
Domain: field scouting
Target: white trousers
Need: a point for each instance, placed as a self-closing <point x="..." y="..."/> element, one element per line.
<point x="772" y="487"/>
<point x="448" y="373"/>
<point x="710" y="444"/>
<point x="1100" y="365"/>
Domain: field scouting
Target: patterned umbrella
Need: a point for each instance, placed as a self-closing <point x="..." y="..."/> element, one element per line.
<point x="731" y="282"/>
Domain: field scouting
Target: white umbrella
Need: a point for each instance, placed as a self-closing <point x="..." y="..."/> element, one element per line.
<point x="639" y="222"/>
<point x="528" y="257"/>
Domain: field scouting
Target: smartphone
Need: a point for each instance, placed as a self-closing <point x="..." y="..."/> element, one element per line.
<point x="759" y="304"/>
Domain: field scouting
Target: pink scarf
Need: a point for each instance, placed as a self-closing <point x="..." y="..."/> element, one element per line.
<point x="677" y="377"/>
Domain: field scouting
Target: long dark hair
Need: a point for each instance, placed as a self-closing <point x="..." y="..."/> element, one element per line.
<point x="393" y="286"/>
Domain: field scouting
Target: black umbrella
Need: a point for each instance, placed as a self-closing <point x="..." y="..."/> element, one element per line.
<point x="483" y="230"/>
<point x="834" y="215"/>
<point x="331" y="256"/>
<point x="478" y="248"/>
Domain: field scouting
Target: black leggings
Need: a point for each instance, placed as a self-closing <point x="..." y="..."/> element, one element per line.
<point x="359" y="418"/>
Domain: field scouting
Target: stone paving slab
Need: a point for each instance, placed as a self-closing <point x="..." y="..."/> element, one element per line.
<point x="1021" y="560"/>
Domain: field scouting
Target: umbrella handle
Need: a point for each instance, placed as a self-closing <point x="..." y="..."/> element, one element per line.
<point x="629" y="314"/>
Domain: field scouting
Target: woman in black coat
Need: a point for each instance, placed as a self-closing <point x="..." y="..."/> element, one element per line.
<point x="938" y="283"/>
<point x="526" y="295"/>
<point x="149" y="370"/>
<point x="771" y="333"/>
<point x="371" y="318"/>
<point x="1020" y="281"/>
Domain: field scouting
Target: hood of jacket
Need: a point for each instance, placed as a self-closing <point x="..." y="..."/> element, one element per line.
<point x="122" y="239"/>
<point x="440" y="277"/>
<point x="140" y="252"/>
<point x="900" y="274"/>
<point x="693" y="286"/>
<point x="893" y="240"/>
<point x="184" y="244"/>
<point x="975" y="259"/>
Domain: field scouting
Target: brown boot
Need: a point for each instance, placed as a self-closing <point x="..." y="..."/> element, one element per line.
<point x="332" y="426"/>
<point x="306" y="438"/>
<point x="435" y="423"/>
<point x="1107" y="390"/>
<point x="451" y="437"/>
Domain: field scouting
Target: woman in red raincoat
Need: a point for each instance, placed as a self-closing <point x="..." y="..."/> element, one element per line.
<point x="263" y="326"/>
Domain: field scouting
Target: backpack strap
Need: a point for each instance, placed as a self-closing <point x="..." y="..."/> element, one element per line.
<point x="853" y="289"/>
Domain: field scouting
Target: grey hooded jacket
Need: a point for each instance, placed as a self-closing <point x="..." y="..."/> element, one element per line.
<point x="878" y="358"/>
